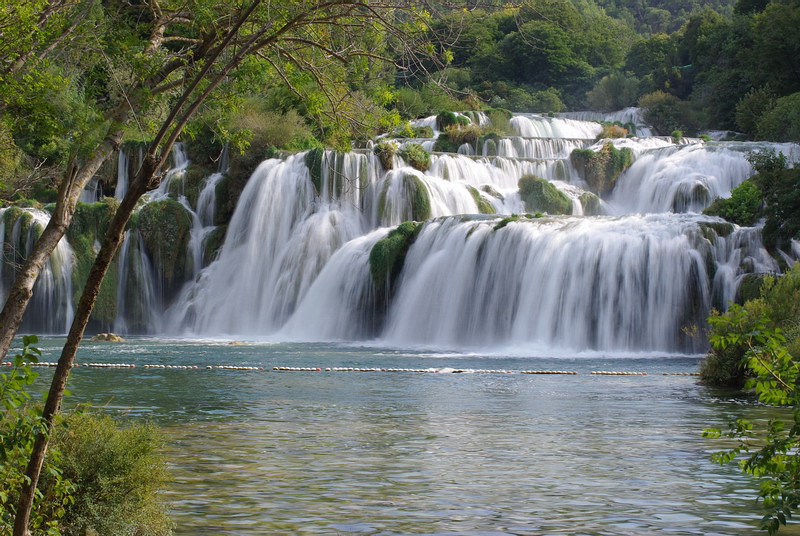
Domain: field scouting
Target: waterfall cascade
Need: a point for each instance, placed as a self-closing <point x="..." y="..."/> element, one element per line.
<point x="296" y="264"/>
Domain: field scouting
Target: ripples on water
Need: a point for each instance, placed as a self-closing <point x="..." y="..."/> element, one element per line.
<point x="256" y="453"/>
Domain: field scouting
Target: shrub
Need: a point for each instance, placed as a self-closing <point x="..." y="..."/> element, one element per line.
<point x="416" y="156"/>
<point x="767" y="160"/>
<point x="781" y="122"/>
<point x="613" y="92"/>
<point x="677" y="136"/>
<point x="726" y="364"/>
<point x="751" y="107"/>
<point x="117" y="472"/>
<point x="742" y="208"/>
<point x="446" y="119"/>
<point x="612" y="130"/>
<point x="663" y="111"/>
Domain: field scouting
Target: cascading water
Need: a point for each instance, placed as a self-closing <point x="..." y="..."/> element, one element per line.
<point x="295" y="262"/>
<point x="50" y="309"/>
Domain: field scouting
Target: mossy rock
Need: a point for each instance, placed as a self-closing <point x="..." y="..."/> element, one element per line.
<point x="213" y="244"/>
<point x="685" y="200"/>
<point x="505" y="221"/>
<point x="385" y="151"/>
<point x="484" y="206"/>
<point x="422" y="132"/>
<point x="417" y="195"/>
<point x="538" y="194"/>
<point x="416" y="156"/>
<point x="85" y="233"/>
<point x="446" y="119"/>
<point x="601" y="169"/>
<point x="313" y="161"/>
<point x="444" y="144"/>
<point x="713" y="229"/>
<point x="489" y="189"/>
<point x="591" y="204"/>
<point x="165" y="227"/>
<point x="388" y="254"/>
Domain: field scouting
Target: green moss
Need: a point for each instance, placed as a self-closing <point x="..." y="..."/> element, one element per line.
<point x="446" y="119"/>
<point x="165" y="227"/>
<point x="601" y="169"/>
<point x="712" y="229"/>
<point x="591" y="204"/>
<point x="213" y="244"/>
<point x="388" y="254"/>
<point x="385" y="151"/>
<point x="444" y="145"/>
<point x="505" y="221"/>
<point x="417" y="194"/>
<point x="416" y="156"/>
<point x="484" y="206"/>
<point x="540" y="195"/>
<point x="84" y="234"/>
<point x="422" y="132"/>
<point x="314" y="163"/>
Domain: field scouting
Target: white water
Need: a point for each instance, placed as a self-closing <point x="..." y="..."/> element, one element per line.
<point x="294" y="265"/>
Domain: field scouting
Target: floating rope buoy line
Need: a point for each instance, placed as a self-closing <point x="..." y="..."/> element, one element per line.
<point x="357" y="369"/>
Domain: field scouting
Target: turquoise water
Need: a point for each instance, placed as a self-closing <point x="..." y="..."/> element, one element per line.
<point x="378" y="453"/>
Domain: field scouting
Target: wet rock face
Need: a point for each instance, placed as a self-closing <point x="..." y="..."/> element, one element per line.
<point x="539" y="195"/>
<point x="601" y="169"/>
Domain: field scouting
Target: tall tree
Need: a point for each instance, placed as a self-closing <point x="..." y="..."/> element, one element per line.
<point x="187" y="50"/>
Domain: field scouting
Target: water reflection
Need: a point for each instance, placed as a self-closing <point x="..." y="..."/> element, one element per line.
<point x="257" y="453"/>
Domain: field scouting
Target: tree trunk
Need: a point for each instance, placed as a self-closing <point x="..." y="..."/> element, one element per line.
<point x="111" y="241"/>
<point x="69" y="192"/>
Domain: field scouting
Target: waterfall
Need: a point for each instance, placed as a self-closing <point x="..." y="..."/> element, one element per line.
<point x="295" y="261"/>
<point x="50" y="309"/>
<point x="122" y="174"/>
<point x="605" y="284"/>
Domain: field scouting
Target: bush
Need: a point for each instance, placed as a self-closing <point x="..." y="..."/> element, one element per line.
<point x="117" y="472"/>
<point x="751" y="107"/>
<point x="781" y="122"/>
<point x="446" y="119"/>
<point x="781" y="192"/>
<point x="677" y="136"/>
<point x="612" y="130"/>
<point x="726" y="364"/>
<point x="416" y="156"/>
<point x="613" y="92"/>
<point x="667" y="113"/>
<point x="742" y="208"/>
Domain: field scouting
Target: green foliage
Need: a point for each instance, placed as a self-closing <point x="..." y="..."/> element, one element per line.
<point x="778" y="307"/>
<point x="665" y="112"/>
<point x="117" y="472"/>
<point x="213" y="244"/>
<point x="782" y="121"/>
<point x="388" y="254"/>
<point x="676" y="135"/>
<point x="601" y="169"/>
<point x="743" y="207"/>
<point x="386" y="151"/>
<point x="611" y="130"/>
<point x="20" y="422"/>
<point x="415" y="156"/>
<point x="446" y="119"/>
<point x="613" y="92"/>
<point x="767" y="160"/>
<point x="769" y="454"/>
<point x="781" y="192"/>
<point x="539" y="194"/>
<point x="752" y="107"/>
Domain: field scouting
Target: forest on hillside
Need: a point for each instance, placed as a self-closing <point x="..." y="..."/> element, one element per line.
<point x="691" y="65"/>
